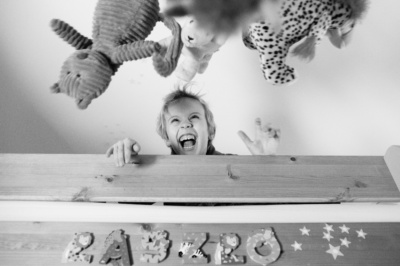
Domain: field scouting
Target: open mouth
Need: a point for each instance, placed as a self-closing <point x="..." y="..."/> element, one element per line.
<point x="187" y="141"/>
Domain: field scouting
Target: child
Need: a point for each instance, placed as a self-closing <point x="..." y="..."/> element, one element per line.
<point x="187" y="126"/>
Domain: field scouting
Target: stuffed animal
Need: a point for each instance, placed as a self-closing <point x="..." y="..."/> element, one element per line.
<point x="307" y="20"/>
<point x="199" y="45"/>
<point x="223" y="16"/>
<point x="119" y="31"/>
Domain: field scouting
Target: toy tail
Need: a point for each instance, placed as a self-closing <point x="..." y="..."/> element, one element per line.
<point x="306" y="49"/>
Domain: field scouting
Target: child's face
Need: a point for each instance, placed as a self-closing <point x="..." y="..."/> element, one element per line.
<point x="186" y="127"/>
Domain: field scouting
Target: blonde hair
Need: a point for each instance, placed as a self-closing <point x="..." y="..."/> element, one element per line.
<point x="177" y="94"/>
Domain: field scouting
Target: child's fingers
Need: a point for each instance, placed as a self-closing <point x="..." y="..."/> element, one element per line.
<point x="127" y="149"/>
<point x="274" y="133"/>
<point x="267" y="128"/>
<point x="257" y="123"/>
<point x="136" y="148"/>
<point x="120" y="153"/>
<point x="116" y="154"/>
<point x="245" y="138"/>
<point x="271" y="132"/>
<point x="110" y="151"/>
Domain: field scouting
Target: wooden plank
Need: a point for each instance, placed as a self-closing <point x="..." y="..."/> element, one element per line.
<point x="85" y="177"/>
<point x="43" y="243"/>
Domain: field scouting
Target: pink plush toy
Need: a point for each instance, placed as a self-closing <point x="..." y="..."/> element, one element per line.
<point x="119" y="31"/>
<point x="307" y="20"/>
<point x="199" y="47"/>
<point x="223" y="16"/>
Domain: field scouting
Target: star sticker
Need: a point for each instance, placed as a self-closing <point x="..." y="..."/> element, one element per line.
<point x="327" y="236"/>
<point x="335" y="251"/>
<point x="345" y="242"/>
<point x="328" y="228"/>
<point x="304" y="231"/>
<point x="360" y="233"/>
<point x="344" y="229"/>
<point x="296" y="246"/>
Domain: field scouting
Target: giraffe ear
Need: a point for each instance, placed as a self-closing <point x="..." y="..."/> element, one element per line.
<point x="55" y="88"/>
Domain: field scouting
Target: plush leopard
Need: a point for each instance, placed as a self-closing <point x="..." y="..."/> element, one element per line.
<point x="310" y="20"/>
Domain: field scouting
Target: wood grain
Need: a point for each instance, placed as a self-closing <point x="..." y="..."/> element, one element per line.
<point x="251" y="179"/>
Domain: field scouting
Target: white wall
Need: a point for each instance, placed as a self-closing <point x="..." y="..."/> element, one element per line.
<point x="346" y="102"/>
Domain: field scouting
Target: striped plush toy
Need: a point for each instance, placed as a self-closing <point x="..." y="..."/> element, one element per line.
<point x="119" y="31"/>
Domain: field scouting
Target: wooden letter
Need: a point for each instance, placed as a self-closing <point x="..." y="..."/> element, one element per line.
<point x="156" y="242"/>
<point x="227" y="244"/>
<point x="116" y="249"/>
<point x="190" y="248"/>
<point x="259" y="238"/>
<point x="80" y="242"/>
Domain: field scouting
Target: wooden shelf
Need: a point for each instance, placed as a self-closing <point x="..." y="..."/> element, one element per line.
<point x="246" y="179"/>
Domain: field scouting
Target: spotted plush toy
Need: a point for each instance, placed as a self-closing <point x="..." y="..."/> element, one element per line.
<point x="119" y="31"/>
<point x="307" y="20"/>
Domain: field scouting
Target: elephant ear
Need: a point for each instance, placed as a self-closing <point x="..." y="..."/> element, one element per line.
<point x="55" y="88"/>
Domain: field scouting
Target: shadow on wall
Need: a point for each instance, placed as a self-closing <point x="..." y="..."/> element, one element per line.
<point x="22" y="129"/>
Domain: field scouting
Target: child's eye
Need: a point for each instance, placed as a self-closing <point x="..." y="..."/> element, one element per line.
<point x="174" y="120"/>
<point x="195" y="117"/>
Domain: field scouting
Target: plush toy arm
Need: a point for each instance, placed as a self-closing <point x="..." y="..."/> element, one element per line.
<point x="247" y="40"/>
<point x="306" y="50"/>
<point x="134" y="51"/>
<point x="165" y="63"/>
<point x="70" y="35"/>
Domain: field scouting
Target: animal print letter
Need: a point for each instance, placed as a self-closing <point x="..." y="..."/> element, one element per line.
<point x="80" y="242"/>
<point x="116" y="249"/>
<point x="259" y="238"/>
<point x="190" y="248"/>
<point x="156" y="242"/>
<point x="228" y="243"/>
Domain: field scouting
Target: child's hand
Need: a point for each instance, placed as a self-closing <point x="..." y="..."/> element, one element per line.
<point x="266" y="139"/>
<point x="124" y="151"/>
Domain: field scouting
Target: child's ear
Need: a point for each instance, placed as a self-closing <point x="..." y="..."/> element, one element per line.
<point x="168" y="143"/>
<point x="211" y="137"/>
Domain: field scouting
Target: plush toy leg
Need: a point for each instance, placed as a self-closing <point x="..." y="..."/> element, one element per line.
<point x="187" y="69"/>
<point x="246" y="36"/>
<point x="204" y="64"/>
<point x="70" y="35"/>
<point x="134" y="51"/>
<point x="274" y="67"/>
<point x="165" y="63"/>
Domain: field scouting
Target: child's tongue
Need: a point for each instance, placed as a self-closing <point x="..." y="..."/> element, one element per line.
<point x="188" y="143"/>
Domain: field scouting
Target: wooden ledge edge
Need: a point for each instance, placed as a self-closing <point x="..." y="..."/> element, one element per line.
<point x="33" y="211"/>
<point x="392" y="160"/>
